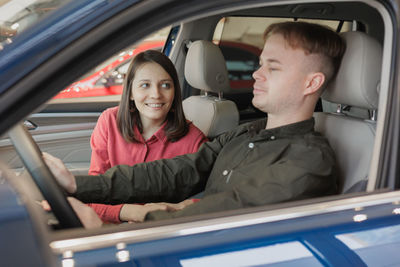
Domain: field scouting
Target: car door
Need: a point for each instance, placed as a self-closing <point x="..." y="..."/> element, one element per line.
<point x="316" y="232"/>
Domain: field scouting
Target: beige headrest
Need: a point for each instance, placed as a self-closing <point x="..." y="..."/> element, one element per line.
<point x="357" y="81"/>
<point x="205" y="67"/>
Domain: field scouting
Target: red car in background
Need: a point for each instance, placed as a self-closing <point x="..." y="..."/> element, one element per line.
<point x="241" y="60"/>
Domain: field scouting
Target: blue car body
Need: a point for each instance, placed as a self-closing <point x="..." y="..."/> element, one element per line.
<point x="362" y="229"/>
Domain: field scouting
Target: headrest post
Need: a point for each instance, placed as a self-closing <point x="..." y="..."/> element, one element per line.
<point x="374" y="115"/>
<point x="339" y="109"/>
<point x="220" y="95"/>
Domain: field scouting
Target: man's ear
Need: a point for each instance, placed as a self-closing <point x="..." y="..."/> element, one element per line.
<point x="314" y="82"/>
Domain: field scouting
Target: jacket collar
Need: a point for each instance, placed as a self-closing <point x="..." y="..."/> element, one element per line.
<point x="297" y="128"/>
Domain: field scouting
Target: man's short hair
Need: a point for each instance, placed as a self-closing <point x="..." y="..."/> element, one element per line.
<point x="313" y="39"/>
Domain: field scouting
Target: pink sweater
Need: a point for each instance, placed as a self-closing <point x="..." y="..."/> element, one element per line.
<point x="109" y="149"/>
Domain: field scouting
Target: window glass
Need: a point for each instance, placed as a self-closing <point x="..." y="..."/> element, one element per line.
<point x="262" y="256"/>
<point x="107" y="78"/>
<point x="383" y="242"/>
<point x="16" y="16"/>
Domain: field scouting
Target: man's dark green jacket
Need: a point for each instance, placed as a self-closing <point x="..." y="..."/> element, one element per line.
<point x="246" y="167"/>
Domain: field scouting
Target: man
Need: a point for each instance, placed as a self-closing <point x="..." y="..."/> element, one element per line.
<point x="263" y="162"/>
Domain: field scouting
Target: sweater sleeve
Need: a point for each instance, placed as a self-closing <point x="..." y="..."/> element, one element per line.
<point x="107" y="213"/>
<point x="99" y="161"/>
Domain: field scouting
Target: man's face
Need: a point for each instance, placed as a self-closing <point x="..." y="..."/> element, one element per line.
<point x="281" y="78"/>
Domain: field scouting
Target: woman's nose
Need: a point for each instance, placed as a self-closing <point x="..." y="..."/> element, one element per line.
<point x="155" y="92"/>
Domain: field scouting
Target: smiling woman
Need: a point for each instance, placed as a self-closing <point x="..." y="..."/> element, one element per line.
<point x="152" y="91"/>
<point x="45" y="58"/>
<point x="148" y="124"/>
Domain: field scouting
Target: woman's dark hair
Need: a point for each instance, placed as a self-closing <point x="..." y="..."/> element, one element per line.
<point x="128" y="115"/>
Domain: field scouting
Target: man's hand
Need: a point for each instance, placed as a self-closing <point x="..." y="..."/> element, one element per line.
<point x="137" y="213"/>
<point x="86" y="214"/>
<point x="63" y="176"/>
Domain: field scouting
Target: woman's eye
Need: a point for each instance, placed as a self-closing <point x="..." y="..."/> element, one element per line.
<point x="166" y="85"/>
<point x="145" y="85"/>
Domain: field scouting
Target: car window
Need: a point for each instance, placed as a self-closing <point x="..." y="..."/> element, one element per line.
<point x="17" y="16"/>
<point x="107" y="78"/>
<point x="240" y="63"/>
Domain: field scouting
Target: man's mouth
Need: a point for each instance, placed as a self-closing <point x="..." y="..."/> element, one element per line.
<point x="258" y="90"/>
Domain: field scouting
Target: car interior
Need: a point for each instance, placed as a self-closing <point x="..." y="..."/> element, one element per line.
<point x="347" y="115"/>
<point x="356" y="85"/>
<point x="205" y="69"/>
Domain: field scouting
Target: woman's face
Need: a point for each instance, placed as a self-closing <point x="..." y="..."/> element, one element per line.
<point x="153" y="93"/>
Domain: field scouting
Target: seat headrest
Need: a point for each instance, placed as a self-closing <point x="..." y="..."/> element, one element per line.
<point x="358" y="79"/>
<point x="205" y="67"/>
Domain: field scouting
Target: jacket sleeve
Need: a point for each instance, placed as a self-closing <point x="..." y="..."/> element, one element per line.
<point x="99" y="161"/>
<point x="290" y="178"/>
<point x="169" y="180"/>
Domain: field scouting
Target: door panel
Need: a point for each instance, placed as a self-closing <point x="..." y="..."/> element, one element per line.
<point x="64" y="135"/>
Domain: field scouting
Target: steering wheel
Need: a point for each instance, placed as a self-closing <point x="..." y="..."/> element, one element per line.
<point x="32" y="158"/>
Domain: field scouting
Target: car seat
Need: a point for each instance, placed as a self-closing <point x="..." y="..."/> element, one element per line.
<point x="356" y="85"/>
<point x="205" y="69"/>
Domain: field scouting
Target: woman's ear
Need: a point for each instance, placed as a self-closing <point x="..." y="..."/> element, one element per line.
<point x="314" y="83"/>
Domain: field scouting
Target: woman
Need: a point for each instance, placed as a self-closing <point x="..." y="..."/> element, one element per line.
<point x="149" y="123"/>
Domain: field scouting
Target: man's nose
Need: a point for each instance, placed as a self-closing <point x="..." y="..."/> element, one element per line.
<point x="258" y="74"/>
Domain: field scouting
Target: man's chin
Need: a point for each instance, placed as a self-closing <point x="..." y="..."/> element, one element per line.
<point x="257" y="104"/>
